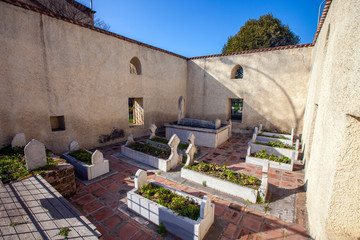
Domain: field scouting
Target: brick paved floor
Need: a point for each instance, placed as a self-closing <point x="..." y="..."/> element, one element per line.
<point x="99" y="201"/>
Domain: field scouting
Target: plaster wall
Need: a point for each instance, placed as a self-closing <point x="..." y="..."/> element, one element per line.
<point x="274" y="88"/>
<point x="54" y="68"/>
<point x="331" y="135"/>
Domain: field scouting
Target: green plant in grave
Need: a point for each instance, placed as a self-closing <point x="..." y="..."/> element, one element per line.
<point x="184" y="206"/>
<point x="82" y="155"/>
<point x="272" y="157"/>
<point x="226" y="174"/>
<point x="13" y="164"/>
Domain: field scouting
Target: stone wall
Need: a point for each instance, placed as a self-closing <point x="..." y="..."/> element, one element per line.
<point x="273" y="88"/>
<point x="53" y="68"/>
<point x="331" y="135"/>
<point x="62" y="178"/>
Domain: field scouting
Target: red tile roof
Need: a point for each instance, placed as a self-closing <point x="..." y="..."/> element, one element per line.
<point x="322" y="20"/>
<point x="256" y="50"/>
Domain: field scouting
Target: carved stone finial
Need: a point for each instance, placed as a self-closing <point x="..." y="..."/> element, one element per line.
<point x="130" y="140"/>
<point x="152" y="130"/>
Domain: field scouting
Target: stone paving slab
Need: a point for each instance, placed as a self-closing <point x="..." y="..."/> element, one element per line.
<point x="33" y="209"/>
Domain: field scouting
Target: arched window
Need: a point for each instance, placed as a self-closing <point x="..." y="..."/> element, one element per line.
<point x="237" y="72"/>
<point x="135" y="66"/>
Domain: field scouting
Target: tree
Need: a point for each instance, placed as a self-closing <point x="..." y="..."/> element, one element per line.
<point x="263" y="33"/>
<point x="101" y="24"/>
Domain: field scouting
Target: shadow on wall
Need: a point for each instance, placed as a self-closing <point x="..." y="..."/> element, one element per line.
<point x="210" y="91"/>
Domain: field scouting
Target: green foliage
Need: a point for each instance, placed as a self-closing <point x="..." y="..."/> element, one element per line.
<point x="151" y="150"/>
<point x="265" y="32"/>
<point x="161" y="229"/>
<point x="182" y="146"/>
<point x="13" y="164"/>
<point x="64" y="232"/>
<point x="276" y="131"/>
<point x="82" y="155"/>
<point x="277" y="144"/>
<point x="226" y="174"/>
<point x="184" y="206"/>
<point x="259" y="199"/>
<point x="273" y="136"/>
<point x="263" y="154"/>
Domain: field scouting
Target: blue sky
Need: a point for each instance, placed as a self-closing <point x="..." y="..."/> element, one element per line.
<point x="200" y="27"/>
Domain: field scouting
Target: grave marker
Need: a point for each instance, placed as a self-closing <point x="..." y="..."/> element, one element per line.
<point x="35" y="155"/>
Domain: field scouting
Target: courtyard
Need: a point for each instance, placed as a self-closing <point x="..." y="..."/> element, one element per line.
<point x="104" y="202"/>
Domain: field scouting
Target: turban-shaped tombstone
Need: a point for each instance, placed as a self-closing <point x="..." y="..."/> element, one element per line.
<point x="152" y="130"/>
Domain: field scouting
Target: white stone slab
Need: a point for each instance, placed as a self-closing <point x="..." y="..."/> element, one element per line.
<point x="89" y="172"/>
<point x="183" y="227"/>
<point x="221" y="185"/>
<point x="204" y="137"/>
<point x="35" y="155"/>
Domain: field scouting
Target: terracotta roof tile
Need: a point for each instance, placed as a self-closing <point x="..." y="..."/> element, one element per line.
<point x="322" y="20"/>
<point x="256" y="50"/>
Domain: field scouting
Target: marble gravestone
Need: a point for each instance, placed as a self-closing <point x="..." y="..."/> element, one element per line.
<point x="35" y="155"/>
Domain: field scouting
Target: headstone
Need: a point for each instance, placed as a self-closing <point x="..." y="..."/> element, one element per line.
<point x="248" y="150"/>
<point x="73" y="146"/>
<point x="297" y="144"/>
<point x="97" y="157"/>
<point x="253" y="138"/>
<point x="19" y="140"/>
<point x="191" y="138"/>
<point x="130" y="140"/>
<point x="217" y="123"/>
<point x="174" y="143"/>
<point x="292" y="135"/>
<point x="256" y="131"/>
<point x="190" y="152"/>
<point x="260" y="128"/>
<point x="35" y="155"/>
<point x="152" y="130"/>
<point x="140" y="178"/>
<point x="264" y="180"/>
<point x="181" y="109"/>
<point x="205" y="207"/>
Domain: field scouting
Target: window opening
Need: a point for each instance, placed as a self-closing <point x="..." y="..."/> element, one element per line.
<point x="57" y="123"/>
<point x="236" y="109"/>
<point x="136" y="111"/>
